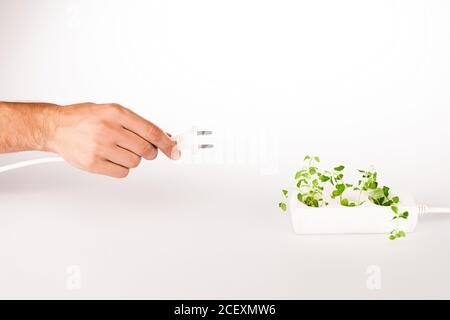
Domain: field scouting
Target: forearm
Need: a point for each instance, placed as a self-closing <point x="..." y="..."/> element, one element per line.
<point x="26" y="126"/>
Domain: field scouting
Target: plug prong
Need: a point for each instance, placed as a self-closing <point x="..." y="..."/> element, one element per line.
<point x="204" y="133"/>
<point x="205" y="146"/>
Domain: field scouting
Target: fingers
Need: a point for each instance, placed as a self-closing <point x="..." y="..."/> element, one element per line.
<point x="132" y="142"/>
<point x="122" y="157"/>
<point x="151" y="133"/>
<point x="114" y="170"/>
<point x="109" y="139"/>
<point x="113" y="161"/>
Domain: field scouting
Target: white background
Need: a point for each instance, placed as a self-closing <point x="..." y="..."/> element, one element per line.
<point x="356" y="82"/>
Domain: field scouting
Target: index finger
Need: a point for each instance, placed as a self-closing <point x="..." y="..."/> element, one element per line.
<point x="150" y="132"/>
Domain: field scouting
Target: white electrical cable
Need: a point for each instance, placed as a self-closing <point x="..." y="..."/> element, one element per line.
<point x="27" y="163"/>
<point x="424" y="210"/>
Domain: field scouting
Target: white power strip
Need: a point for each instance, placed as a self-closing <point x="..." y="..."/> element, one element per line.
<point x="368" y="218"/>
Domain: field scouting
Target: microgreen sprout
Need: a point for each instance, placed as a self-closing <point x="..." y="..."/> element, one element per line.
<point x="382" y="197"/>
<point x="337" y="180"/>
<point x="366" y="183"/>
<point x="282" y="205"/>
<point x="310" y="182"/>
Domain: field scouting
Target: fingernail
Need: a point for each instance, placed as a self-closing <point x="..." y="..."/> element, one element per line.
<point x="176" y="154"/>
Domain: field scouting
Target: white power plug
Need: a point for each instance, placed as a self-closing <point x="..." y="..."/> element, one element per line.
<point x="192" y="141"/>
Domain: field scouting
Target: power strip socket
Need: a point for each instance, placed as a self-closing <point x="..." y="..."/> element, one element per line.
<point x="364" y="219"/>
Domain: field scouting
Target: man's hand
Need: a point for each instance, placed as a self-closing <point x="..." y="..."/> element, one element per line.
<point x="100" y="138"/>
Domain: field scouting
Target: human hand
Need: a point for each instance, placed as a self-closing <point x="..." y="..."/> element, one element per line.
<point x="106" y="139"/>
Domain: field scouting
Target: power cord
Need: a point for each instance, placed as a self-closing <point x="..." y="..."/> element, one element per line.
<point x="28" y="163"/>
<point x="425" y="210"/>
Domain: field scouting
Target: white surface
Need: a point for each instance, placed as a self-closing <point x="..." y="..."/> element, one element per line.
<point x="163" y="234"/>
<point x="356" y="82"/>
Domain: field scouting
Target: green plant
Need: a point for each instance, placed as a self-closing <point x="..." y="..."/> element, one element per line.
<point x="311" y="191"/>
<point x="366" y="183"/>
<point x="337" y="181"/>
<point x="282" y="205"/>
<point x="309" y="183"/>
<point x="382" y="197"/>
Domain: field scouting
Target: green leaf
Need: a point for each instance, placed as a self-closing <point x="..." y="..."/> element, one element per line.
<point x="377" y="194"/>
<point x="324" y="178"/>
<point x="309" y="201"/>
<point x="392" y="237"/>
<point x="282" y="206"/>
<point x="285" y="193"/>
<point x="312" y="170"/>
<point x="300" y="197"/>
<point x="395" y="209"/>
<point x="405" y="215"/>
<point x="340" y="188"/>
<point x="316" y="203"/>
<point x="307" y="158"/>
<point x="317" y="159"/>
<point x="396" y="199"/>
<point x="298" y="175"/>
<point x="315" y="183"/>
<point x="299" y="183"/>
<point x="340" y="168"/>
<point x="344" y="202"/>
<point x="386" y="191"/>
